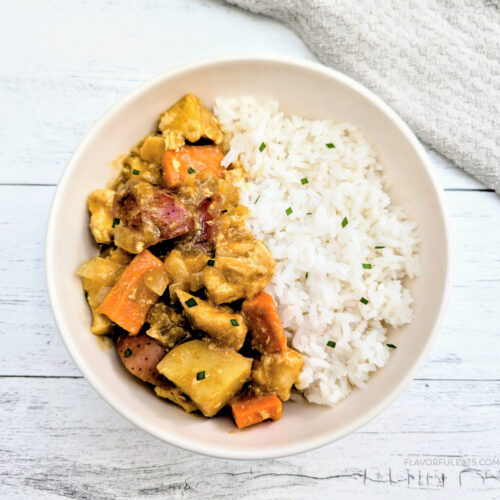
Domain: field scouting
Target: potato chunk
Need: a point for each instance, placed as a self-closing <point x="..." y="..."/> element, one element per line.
<point x="188" y="119"/>
<point x="209" y="375"/>
<point x="277" y="372"/>
<point x="101" y="215"/>
<point x="153" y="148"/>
<point x="224" y="326"/>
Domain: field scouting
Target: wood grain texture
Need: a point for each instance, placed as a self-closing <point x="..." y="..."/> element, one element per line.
<point x="94" y="453"/>
<point x="62" y="64"/>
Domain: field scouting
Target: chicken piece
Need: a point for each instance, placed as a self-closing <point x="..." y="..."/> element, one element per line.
<point x="101" y="215"/>
<point x="242" y="269"/>
<point x="184" y="270"/>
<point x="152" y="149"/>
<point x="166" y="325"/>
<point x="225" y="327"/>
<point x="277" y="372"/>
<point x="172" y="393"/>
<point x="188" y="119"/>
<point x="145" y="215"/>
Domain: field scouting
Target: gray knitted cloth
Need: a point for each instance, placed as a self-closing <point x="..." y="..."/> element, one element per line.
<point x="436" y="62"/>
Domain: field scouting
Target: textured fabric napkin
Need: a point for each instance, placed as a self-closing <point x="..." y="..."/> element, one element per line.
<point x="436" y="62"/>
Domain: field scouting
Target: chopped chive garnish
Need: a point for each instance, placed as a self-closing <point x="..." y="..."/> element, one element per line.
<point x="331" y="343"/>
<point x="289" y="210"/>
<point x="200" y="375"/>
<point x="379" y="248"/>
<point x="127" y="353"/>
<point x="234" y="322"/>
<point x="86" y="294"/>
<point x="258" y="198"/>
<point x="262" y="147"/>
<point x="392" y="346"/>
<point x="191" y="170"/>
<point x="305" y="180"/>
<point x="309" y="213"/>
<point x="191" y="302"/>
<point x="224" y="211"/>
<point x="345" y="222"/>
<point x="210" y="262"/>
<point x="135" y="172"/>
<point x="116" y="222"/>
<point x="307" y="274"/>
<point x="363" y="300"/>
<point x="330" y="145"/>
<point x="367" y="266"/>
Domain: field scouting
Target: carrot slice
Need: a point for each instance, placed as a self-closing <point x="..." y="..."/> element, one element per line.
<point x="190" y="160"/>
<point x="249" y="411"/>
<point x="264" y="323"/>
<point x="129" y="301"/>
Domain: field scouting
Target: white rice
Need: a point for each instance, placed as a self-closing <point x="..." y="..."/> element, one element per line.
<point x="319" y="278"/>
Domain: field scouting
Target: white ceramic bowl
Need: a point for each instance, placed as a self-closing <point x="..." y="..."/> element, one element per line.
<point x="303" y="88"/>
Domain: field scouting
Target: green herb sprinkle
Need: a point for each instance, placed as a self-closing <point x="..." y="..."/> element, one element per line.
<point x="305" y="180"/>
<point x="191" y="170"/>
<point x="367" y="266"/>
<point x="200" y="375"/>
<point x="210" y="262"/>
<point x="392" y="346"/>
<point x="191" y="302"/>
<point x="330" y="145"/>
<point x="135" y="172"/>
<point x="234" y="322"/>
<point x="116" y="222"/>
<point x="262" y="147"/>
<point x="345" y="222"/>
<point x="127" y="353"/>
<point x="363" y="300"/>
<point x="289" y="210"/>
<point x="331" y="343"/>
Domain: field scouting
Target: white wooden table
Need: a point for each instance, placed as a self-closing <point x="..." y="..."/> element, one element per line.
<point x="61" y="65"/>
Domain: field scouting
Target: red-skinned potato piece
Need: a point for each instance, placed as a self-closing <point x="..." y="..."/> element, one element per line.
<point x="264" y="323"/>
<point x="210" y="210"/>
<point x="140" y="354"/>
<point x="150" y="215"/>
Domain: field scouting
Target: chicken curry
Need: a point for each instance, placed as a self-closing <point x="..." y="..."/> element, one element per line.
<point x="179" y="280"/>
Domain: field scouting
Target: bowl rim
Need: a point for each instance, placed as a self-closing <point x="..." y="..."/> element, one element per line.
<point x="219" y="451"/>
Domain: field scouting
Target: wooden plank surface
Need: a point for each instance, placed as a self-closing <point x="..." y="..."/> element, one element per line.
<point x="95" y="453"/>
<point x="62" y="64"/>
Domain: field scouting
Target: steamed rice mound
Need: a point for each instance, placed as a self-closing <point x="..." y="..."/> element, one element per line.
<point x="322" y="211"/>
